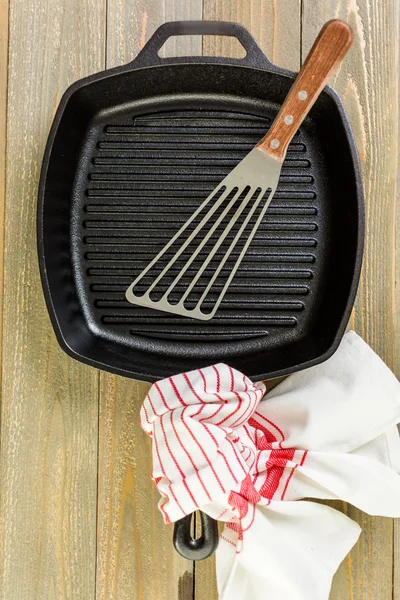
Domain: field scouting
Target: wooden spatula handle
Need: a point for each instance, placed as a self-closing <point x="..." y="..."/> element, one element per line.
<point x="329" y="49"/>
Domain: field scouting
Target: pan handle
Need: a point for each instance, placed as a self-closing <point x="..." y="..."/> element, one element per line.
<point x="196" y="548"/>
<point x="148" y="56"/>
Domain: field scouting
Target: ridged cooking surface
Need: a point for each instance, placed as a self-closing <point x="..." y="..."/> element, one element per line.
<point x="148" y="176"/>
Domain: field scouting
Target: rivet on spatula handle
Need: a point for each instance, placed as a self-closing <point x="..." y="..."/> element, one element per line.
<point x="327" y="52"/>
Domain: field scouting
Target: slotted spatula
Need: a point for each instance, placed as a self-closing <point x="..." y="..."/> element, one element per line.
<point x="237" y="205"/>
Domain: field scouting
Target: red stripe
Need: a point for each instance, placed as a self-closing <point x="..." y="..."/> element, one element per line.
<point x="159" y="459"/>
<point x="198" y="412"/>
<point x="232" y="378"/>
<point x="237" y="457"/>
<point x="271" y="423"/>
<point x="252" y="520"/>
<point x="204" y="387"/>
<point x="213" y="415"/>
<point x="176" y="499"/>
<point x="152" y="406"/>
<point x="222" y="514"/>
<point x="246" y="387"/>
<point x="237" y="527"/>
<point x="210" y="434"/>
<point x="189" y="457"/>
<point x="164" y="512"/>
<point x="249" y="411"/>
<point x="167" y="519"/>
<point x="241" y="504"/>
<point x="257" y="435"/>
<point x="251" y="453"/>
<point x="162" y="396"/>
<point x="248" y="434"/>
<point x="181" y="400"/>
<point x="204" y="403"/>
<point x="257" y="469"/>
<point x="190" y="493"/>
<point x="218" y="379"/>
<point x="181" y="473"/>
<point x="292" y="473"/>
<point x="269" y="436"/>
<point x="222" y="537"/>
<point x="272" y="480"/>
<point x="242" y="418"/>
<point x="283" y="456"/>
<point x="205" y="426"/>
<point x="204" y="380"/>
<point x="195" y="394"/>
<point x="233" y="525"/>
<point x="146" y="415"/>
<point x="202" y="450"/>
<point x="227" y="464"/>
<point x="239" y="406"/>
<point x="275" y="468"/>
<point x="177" y="466"/>
<point x="248" y="491"/>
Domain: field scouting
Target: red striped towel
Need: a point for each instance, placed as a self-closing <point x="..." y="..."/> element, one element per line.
<point x="319" y="434"/>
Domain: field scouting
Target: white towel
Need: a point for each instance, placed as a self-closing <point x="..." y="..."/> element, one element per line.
<point x="326" y="432"/>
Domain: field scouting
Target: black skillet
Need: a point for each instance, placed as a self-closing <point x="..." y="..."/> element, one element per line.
<point x="132" y="151"/>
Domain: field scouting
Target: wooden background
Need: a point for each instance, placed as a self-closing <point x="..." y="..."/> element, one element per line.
<point x="78" y="516"/>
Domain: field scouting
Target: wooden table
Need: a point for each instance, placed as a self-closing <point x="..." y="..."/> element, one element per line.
<point x="79" y="516"/>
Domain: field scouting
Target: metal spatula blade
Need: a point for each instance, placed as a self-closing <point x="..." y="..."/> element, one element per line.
<point x="238" y="204"/>
<point x="249" y="181"/>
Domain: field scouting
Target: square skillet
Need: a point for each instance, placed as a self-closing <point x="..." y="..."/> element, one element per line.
<point x="133" y="151"/>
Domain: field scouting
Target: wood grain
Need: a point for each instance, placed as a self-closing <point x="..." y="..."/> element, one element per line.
<point x="130" y="25"/>
<point x="326" y="54"/>
<point x="135" y="556"/>
<point x="48" y="461"/>
<point x="274" y="24"/>
<point x="368" y="84"/>
<point x="3" y="137"/>
<point x="276" y="27"/>
<point x="396" y="527"/>
<point x="136" y="559"/>
<point x="396" y="324"/>
<point x="49" y="410"/>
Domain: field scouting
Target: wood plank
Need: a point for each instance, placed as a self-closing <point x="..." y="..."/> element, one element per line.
<point x="48" y="465"/>
<point x="130" y="25"/>
<point x="368" y="84"/>
<point x="276" y="28"/>
<point x="396" y="525"/>
<point x="135" y="557"/>
<point x="3" y="136"/>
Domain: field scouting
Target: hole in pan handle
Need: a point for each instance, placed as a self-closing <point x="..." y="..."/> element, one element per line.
<point x="196" y="548"/>
<point x="148" y="56"/>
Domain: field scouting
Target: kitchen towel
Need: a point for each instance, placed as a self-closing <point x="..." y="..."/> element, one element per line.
<point x="328" y="432"/>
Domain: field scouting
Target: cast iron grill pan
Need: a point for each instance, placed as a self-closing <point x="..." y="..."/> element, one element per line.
<point x="131" y="154"/>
